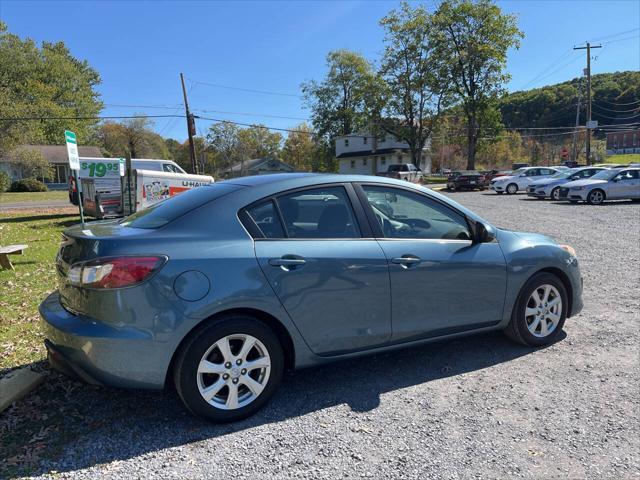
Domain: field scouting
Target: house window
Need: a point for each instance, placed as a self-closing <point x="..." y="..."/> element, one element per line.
<point x="353" y="164"/>
<point x="346" y="142"/>
<point x="383" y="160"/>
<point x="364" y="161"/>
<point x="364" y="140"/>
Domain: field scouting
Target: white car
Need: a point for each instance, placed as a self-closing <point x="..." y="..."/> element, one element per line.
<point x="614" y="184"/>
<point x="520" y="179"/>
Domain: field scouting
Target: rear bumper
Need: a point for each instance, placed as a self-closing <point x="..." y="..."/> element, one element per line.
<point x="102" y="354"/>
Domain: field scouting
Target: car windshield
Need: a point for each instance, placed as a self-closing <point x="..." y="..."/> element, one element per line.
<point x="605" y="174"/>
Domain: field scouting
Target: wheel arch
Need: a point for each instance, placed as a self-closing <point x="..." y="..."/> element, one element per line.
<point x="272" y="322"/>
<point x="563" y="277"/>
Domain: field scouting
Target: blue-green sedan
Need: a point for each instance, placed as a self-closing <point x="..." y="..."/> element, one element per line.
<point x="220" y="289"/>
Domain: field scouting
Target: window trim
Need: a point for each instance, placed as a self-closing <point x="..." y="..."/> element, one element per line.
<point x="365" y="232"/>
<point x="377" y="230"/>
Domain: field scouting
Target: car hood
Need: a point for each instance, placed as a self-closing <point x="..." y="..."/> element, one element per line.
<point x="528" y="237"/>
<point x="503" y="178"/>
<point x="587" y="182"/>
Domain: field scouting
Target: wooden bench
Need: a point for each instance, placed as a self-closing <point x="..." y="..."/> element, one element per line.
<point x="5" y="263"/>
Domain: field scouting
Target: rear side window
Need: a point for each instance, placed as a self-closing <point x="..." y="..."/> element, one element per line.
<point x="318" y="213"/>
<point x="266" y="218"/>
<point x="161" y="213"/>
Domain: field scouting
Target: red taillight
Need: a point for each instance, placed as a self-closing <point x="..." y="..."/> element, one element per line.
<point x="115" y="272"/>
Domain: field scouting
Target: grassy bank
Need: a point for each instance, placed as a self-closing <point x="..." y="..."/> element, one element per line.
<point x="22" y="291"/>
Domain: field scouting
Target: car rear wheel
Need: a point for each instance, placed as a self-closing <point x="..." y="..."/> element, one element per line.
<point x="230" y="369"/>
<point x="512" y="188"/>
<point x="595" y="197"/>
<point x="540" y="311"/>
<point x="555" y="194"/>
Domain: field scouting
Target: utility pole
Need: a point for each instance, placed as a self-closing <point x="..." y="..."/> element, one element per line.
<point x="588" y="48"/>
<point x="191" y="129"/>
<point x="574" y="147"/>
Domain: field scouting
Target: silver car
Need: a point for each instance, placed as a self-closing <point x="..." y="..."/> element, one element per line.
<point x="614" y="184"/>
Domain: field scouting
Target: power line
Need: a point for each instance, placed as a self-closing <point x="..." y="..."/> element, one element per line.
<point x="621" y="39"/>
<point x="250" y="114"/>
<point x="96" y="117"/>
<point x="241" y="89"/>
<point x="636" y="109"/>
<point x="620" y="104"/>
<point x="564" y="55"/>
<point x="615" y="34"/>
<point x="166" y="107"/>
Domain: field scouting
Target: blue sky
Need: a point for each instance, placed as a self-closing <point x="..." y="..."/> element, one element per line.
<point x="140" y="48"/>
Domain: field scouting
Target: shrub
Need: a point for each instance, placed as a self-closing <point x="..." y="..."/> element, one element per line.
<point x="5" y="181"/>
<point x="28" y="185"/>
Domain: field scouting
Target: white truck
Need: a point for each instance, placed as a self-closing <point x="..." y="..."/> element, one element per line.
<point x="106" y="175"/>
<point x="403" y="171"/>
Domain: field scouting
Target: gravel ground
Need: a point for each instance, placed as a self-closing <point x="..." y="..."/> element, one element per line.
<point x="475" y="407"/>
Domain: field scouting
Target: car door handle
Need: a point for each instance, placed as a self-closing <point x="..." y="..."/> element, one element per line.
<point x="406" y="261"/>
<point x="287" y="262"/>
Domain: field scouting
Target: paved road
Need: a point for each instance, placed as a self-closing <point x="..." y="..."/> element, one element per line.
<point x="478" y="407"/>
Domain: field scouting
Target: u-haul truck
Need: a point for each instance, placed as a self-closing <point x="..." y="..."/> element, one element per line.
<point x="146" y="187"/>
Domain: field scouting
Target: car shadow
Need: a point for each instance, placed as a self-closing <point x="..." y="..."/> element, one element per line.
<point x="610" y="203"/>
<point x="79" y="416"/>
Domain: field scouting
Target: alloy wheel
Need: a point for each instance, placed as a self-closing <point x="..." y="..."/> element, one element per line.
<point x="233" y="371"/>
<point x="512" y="188"/>
<point x="555" y="194"/>
<point x="596" y="197"/>
<point x="543" y="311"/>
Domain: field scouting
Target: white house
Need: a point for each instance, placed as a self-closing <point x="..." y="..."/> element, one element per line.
<point x="355" y="155"/>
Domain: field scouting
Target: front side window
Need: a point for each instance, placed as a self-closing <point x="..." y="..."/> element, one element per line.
<point x="627" y="175"/>
<point x="318" y="213"/>
<point x="404" y="214"/>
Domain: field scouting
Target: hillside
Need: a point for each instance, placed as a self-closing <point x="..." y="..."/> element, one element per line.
<point x="616" y="99"/>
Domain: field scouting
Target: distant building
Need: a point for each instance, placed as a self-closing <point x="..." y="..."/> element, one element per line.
<point x="355" y="156"/>
<point x="56" y="155"/>
<point x="258" y="166"/>
<point x="627" y="141"/>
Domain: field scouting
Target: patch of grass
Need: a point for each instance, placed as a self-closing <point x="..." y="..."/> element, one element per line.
<point x="433" y="179"/>
<point x="34" y="278"/>
<point x="624" y="158"/>
<point x="11" y="197"/>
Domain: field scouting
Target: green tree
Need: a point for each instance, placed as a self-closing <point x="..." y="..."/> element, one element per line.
<point x="346" y="99"/>
<point x="299" y="148"/>
<point x="473" y="38"/>
<point x="31" y="163"/>
<point x="257" y="141"/>
<point x="44" y="81"/>
<point x="416" y="94"/>
<point x="133" y="137"/>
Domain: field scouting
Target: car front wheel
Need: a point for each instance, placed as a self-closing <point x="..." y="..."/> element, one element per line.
<point x="512" y="188"/>
<point x="555" y="194"/>
<point x="229" y="370"/>
<point x="540" y="311"/>
<point x="595" y="197"/>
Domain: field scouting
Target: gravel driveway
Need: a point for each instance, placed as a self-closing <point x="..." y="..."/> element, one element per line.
<point x="475" y="407"/>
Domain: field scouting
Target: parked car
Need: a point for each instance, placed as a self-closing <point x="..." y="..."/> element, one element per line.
<point x="520" y="179"/>
<point x="549" y="187"/>
<point x="491" y="174"/>
<point x="609" y="184"/>
<point x="466" y="180"/>
<point x="296" y="270"/>
<point x="403" y="171"/>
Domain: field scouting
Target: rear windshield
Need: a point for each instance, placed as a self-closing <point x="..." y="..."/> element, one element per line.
<point x="161" y="213"/>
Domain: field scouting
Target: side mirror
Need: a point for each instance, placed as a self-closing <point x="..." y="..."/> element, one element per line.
<point x="483" y="233"/>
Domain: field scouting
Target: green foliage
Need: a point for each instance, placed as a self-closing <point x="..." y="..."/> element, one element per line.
<point x="31" y="163"/>
<point x="133" y="137"/>
<point x="345" y="100"/>
<point x="555" y="105"/>
<point x="299" y="148"/>
<point x="473" y="38"/>
<point x="415" y="92"/>
<point x="46" y="81"/>
<point x="28" y="185"/>
<point x="5" y="181"/>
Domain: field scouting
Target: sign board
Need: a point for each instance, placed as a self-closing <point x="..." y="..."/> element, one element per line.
<point x="564" y="153"/>
<point x="122" y="167"/>
<point x="72" y="149"/>
<point x="591" y="124"/>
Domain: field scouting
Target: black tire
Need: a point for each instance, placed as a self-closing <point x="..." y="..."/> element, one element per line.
<point x="555" y="194"/>
<point x="510" y="189"/>
<point x="596" y="197"/>
<point x="186" y="367"/>
<point x="517" y="329"/>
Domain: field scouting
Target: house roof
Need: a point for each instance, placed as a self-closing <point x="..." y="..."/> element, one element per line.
<point x="369" y="153"/>
<point x="54" y="153"/>
<point x="266" y="162"/>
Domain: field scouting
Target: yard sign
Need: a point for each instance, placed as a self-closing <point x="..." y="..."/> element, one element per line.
<point x="72" y="150"/>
